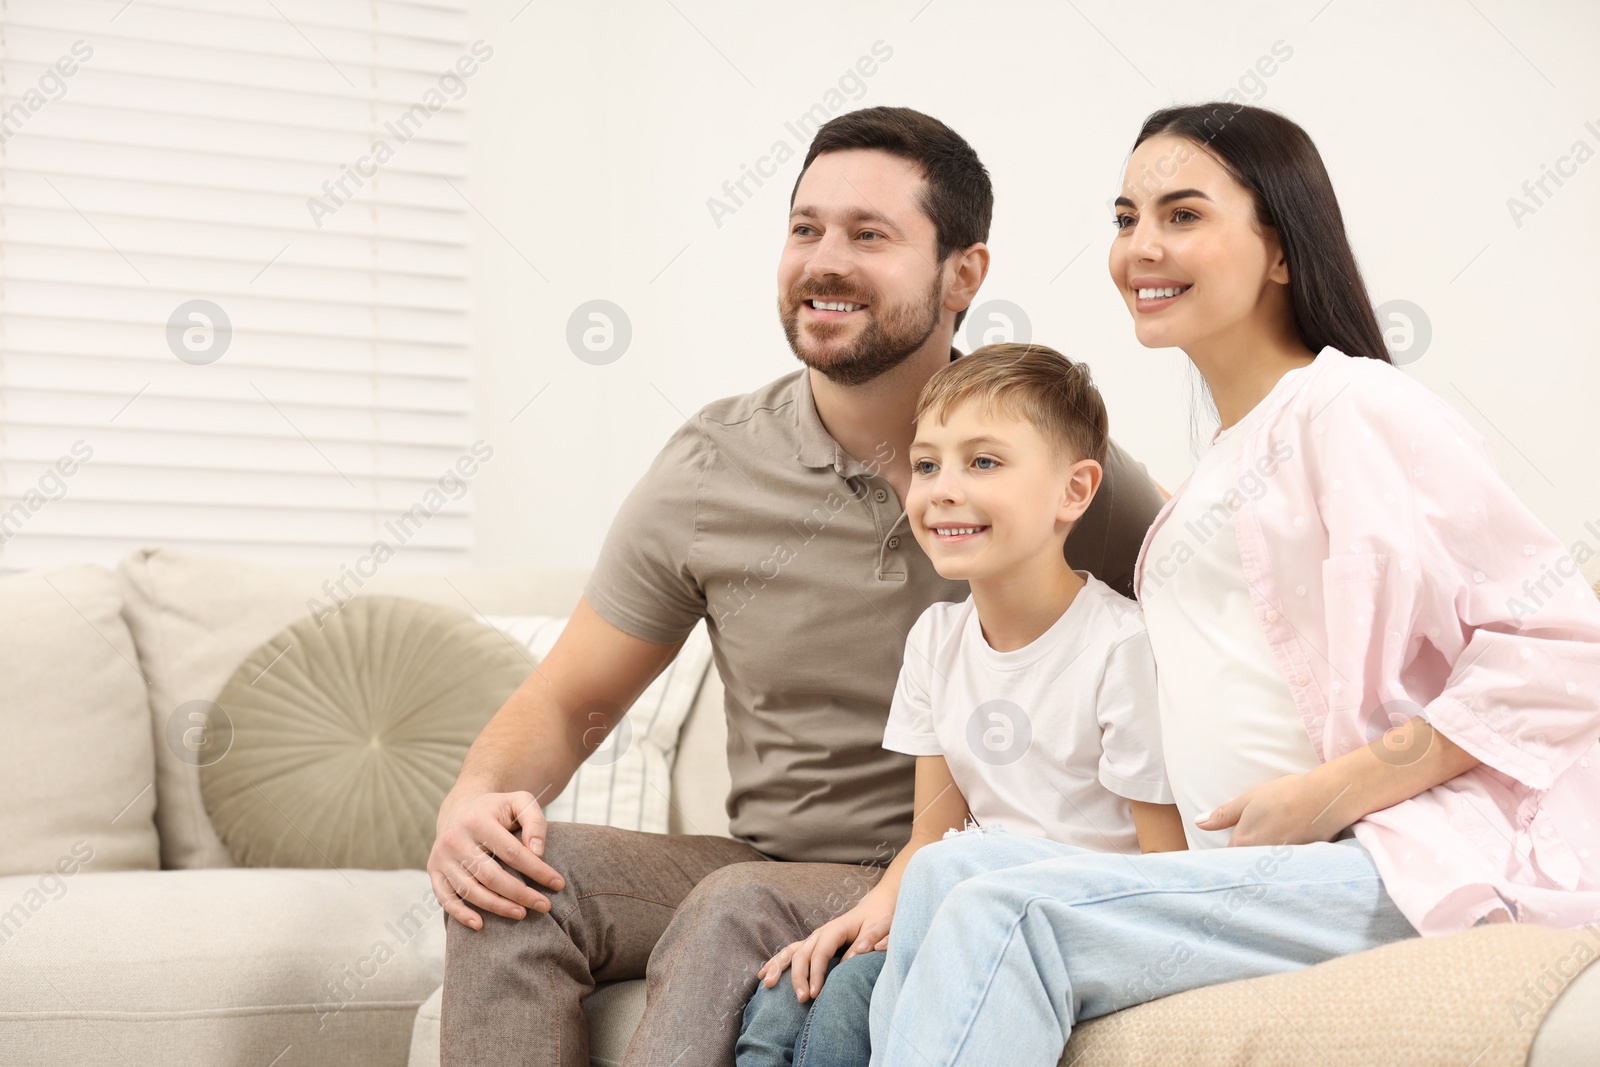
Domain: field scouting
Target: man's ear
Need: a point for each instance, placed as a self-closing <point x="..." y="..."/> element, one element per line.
<point x="1083" y="481"/>
<point x="970" y="268"/>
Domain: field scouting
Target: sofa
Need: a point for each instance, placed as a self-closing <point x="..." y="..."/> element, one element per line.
<point x="129" y="933"/>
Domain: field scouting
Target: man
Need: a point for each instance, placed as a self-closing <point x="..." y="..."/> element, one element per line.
<point x="777" y="515"/>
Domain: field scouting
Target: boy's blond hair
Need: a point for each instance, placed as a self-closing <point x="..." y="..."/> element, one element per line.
<point x="1030" y="382"/>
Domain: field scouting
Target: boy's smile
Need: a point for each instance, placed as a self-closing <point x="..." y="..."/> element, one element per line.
<point x="947" y="534"/>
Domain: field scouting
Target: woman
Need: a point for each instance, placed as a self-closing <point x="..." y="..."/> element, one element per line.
<point x="1359" y="696"/>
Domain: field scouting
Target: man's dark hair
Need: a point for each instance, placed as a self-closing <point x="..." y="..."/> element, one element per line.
<point x="958" y="198"/>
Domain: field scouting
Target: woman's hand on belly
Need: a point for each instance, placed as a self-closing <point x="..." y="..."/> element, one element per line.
<point x="1291" y="810"/>
<point x="1298" y="809"/>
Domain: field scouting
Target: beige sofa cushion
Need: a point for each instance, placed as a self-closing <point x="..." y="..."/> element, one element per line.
<point x="345" y="733"/>
<point x="1477" y="997"/>
<point x="76" y="763"/>
<point x="221" y="967"/>
<point x="195" y="617"/>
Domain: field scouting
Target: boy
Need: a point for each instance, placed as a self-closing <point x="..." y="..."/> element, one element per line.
<point x="1030" y="706"/>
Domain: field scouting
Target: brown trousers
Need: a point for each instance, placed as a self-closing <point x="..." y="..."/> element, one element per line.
<point x="694" y="916"/>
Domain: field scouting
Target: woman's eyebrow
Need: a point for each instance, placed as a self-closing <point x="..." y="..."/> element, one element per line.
<point x="1181" y="194"/>
<point x="1166" y="198"/>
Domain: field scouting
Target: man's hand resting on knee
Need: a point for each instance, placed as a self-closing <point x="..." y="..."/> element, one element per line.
<point x="473" y="832"/>
<point x="527" y="753"/>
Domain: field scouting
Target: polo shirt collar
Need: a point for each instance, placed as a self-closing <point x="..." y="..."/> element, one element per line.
<point x="817" y="447"/>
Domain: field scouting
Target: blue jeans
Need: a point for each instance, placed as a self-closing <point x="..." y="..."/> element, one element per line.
<point x="1003" y="942"/>
<point x="830" y="1031"/>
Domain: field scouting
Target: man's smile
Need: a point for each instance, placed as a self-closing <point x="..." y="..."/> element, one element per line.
<point x="833" y="309"/>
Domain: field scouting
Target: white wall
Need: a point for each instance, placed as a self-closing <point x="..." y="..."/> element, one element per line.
<point x="600" y="132"/>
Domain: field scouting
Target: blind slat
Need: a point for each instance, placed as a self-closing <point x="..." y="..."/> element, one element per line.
<point x="297" y="350"/>
<point x="118" y="383"/>
<point x="173" y="450"/>
<point x="101" y="203"/>
<point x="250" y="245"/>
<point x="24" y="552"/>
<point x="293" y="38"/>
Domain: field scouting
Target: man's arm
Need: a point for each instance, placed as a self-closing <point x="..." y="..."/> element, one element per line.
<point x="1106" y="538"/>
<point x="525" y="756"/>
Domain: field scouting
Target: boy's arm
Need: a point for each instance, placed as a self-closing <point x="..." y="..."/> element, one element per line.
<point x="937" y="806"/>
<point x="1159" y="826"/>
<point x="1131" y="754"/>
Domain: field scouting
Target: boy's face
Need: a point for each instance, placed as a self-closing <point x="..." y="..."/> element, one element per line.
<point x="988" y="493"/>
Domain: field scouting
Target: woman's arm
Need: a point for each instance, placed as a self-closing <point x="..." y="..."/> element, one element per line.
<point x="1159" y="826"/>
<point x="1407" y="760"/>
<point x="1300" y="808"/>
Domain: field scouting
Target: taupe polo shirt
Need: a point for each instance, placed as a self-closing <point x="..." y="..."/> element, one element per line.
<point x="803" y="562"/>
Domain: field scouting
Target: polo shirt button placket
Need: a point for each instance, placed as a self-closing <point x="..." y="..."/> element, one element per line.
<point x="880" y="495"/>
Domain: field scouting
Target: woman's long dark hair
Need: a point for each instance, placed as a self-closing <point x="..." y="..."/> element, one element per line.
<point x="1275" y="159"/>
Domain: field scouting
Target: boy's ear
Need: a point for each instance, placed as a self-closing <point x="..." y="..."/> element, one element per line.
<point x="1083" y="481"/>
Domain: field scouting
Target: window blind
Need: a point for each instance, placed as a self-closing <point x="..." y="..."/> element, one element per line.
<point x="234" y="279"/>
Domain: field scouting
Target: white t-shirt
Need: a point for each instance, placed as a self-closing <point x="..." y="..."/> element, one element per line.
<point x="1228" y="720"/>
<point x="1048" y="739"/>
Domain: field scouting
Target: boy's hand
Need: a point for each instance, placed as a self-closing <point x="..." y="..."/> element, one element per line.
<point x="1285" y="811"/>
<point x="864" y="927"/>
<point x="873" y="937"/>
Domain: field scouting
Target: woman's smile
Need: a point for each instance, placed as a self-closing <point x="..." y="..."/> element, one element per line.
<point x="1156" y="294"/>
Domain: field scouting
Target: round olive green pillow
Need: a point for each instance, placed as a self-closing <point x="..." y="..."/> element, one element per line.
<point x="348" y="730"/>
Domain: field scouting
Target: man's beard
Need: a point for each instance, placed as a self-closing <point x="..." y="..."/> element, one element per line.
<point x="889" y="339"/>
